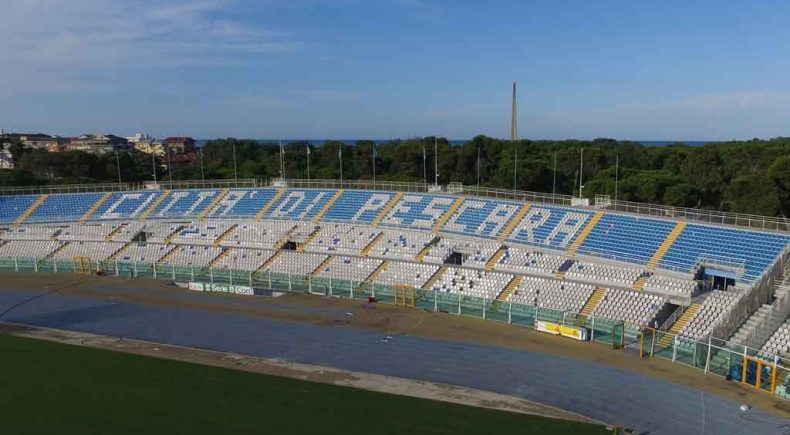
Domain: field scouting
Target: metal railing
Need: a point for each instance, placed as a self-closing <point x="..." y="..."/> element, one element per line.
<point x="695" y="214"/>
<point x="713" y="356"/>
<point x="601" y="201"/>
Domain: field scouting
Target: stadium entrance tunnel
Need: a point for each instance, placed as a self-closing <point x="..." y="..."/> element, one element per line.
<point x="455" y="258"/>
<point x="289" y="245"/>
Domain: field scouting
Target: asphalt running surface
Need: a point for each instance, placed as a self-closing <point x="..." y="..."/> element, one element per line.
<point x="649" y="405"/>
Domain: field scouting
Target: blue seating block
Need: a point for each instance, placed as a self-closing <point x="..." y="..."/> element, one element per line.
<point x="300" y="204"/>
<point x="358" y="206"/>
<point x="125" y="205"/>
<point x="626" y="238"/>
<point x="64" y="207"/>
<point x="184" y="203"/>
<point x="755" y="249"/>
<point x="550" y="226"/>
<point x="12" y="206"/>
<point x="243" y="203"/>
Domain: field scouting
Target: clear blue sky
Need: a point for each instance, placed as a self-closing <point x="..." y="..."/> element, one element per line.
<point x="661" y="70"/>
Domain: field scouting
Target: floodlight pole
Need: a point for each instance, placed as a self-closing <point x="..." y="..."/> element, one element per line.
<point x="235" y="167"/>
<point x="581" y="171"/>
<point x="424" y="164"/>
<point x="118" y="164"/>
<point x="202" y="174"/>
<point x="554" y="183"/>
<point x="308" y="161"/>
<point x="153" y="165"/>
<point x="515" y="171"/>
<point x="616" y="175"/>
<point x="169" y="166"/>
<point x="478" y="169"/>
<point x="436" y="159"/>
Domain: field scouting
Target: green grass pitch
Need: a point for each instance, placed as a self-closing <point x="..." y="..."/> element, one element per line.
<point x="48" y="388"/>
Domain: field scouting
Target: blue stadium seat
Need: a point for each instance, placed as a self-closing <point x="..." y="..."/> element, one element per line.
<point x="481" y="217"/>
<point x="300" y="204"/>
<point x="626" y="238"/>
<point x="550" y="226"/>
<point x="243" y="203"/>
<point x="418" y="210"/>
<point x="757" y="250"/>
<point x="357" y="206"/>
<point x="64" y="207"/>
<point x="12" y="206"/>
<point x="125" y="205"/>
<point x="184" y="203"/>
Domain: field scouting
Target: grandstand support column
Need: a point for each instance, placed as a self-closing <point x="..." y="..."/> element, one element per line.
<point x="484" y="307"/>
<point x="35" y="265"/>
<point x="459" y="304"/>
<point x="135" y="268"/>
<point x="16" y="265"/>
<point x="192" y="272"/>
<point x="509" y="312"/>
<point x="435" y="301"/>
<point x="54" y="265"/>
<point x="592" y="328"/>
<point x="675" y="348"/>
<point x="211" y="274"/>
<point x="116" y="269"/>
<point x="153" y="268"/>
<point x="173" y="270"/>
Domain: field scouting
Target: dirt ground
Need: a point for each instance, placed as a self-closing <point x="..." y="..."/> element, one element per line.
<point x="395" y="320"/>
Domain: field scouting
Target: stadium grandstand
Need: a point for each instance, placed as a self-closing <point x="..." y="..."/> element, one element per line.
<point x="709" y="295"/>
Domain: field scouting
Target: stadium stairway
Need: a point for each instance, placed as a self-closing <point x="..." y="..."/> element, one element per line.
<point x="268" y="262"/>
<point x="492" y="262"/>
<point x="172" y="235"/>
<point x="284" y="239"/>
<point x="302" y="246"/>
<point x="369" y="247"/>
<point x="443" y="218"/>
<point x="665" y="245"/>
<point x="26" y="214"/>
<point x="213" y="203"/>
<point x="58" y="249"/>
<point x="225" y="234"/>
<point x="384" y="211"/>
<point x="589" y="306"/>
<point x="505" y="293"/>
<point x="268" y="205"/>
<point x="115" y="232"/>
<point x="514" y="221"/>
<point x="117" y="253"/>
<point x="585" y="232"/>
<point x="424" y="251"/>
<point x="435" y="277"/>
<point x="326" y="206"/>
<point x="219" y="257"/>
<point x="144" y="215"/>
<point x="85" y="216"/>
<point x="640" y="282"/>
<point x="324" y="264"/>
<point x="382" y="267"/>
<point x="168" y="254"/>
<point x="559" y="275"/>
<point x="676" y="327"/>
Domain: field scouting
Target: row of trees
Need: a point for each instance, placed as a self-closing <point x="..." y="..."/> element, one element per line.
<point x="740" y="176"/>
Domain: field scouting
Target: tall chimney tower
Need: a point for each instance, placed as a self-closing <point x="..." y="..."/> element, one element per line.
<point x="513" y="122"/>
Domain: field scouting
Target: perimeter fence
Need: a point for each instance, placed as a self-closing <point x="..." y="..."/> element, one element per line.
<point x="765" y="372"/>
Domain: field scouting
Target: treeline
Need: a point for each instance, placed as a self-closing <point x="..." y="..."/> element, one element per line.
<point x="739" y="176"/>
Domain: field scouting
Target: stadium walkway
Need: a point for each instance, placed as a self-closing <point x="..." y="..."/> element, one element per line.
<point x="604" y="393"/>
